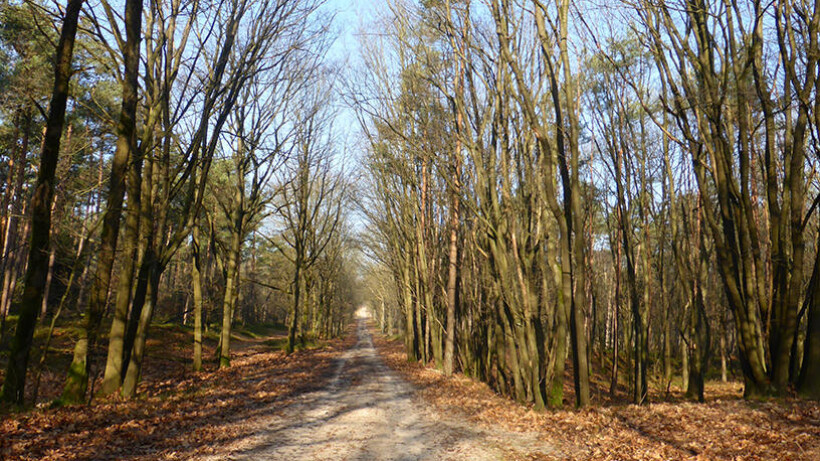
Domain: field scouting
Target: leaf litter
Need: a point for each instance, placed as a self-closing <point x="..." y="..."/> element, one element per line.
<point x="181" y="415"/>
<point x="178" y="414"/>
<point x="725" y="427"/>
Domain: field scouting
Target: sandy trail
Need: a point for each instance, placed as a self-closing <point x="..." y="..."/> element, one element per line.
<point x="367" y="412"/>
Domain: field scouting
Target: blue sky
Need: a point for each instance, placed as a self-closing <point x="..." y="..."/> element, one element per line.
<point x="350" y="16"/>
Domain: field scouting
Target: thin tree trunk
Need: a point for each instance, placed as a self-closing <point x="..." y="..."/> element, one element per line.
<point x="231" y="271"/>
<point x="135" y="362"/>
<point x="196" y="276"/>
<point x="452" y="273"/>
<point x="52" y="256"/>
<point x="49" y="335"/>
<point x="410" y="334"/>
<point x="613" y="384"/>
<point x="294" y="319"/>
<point x="114" y="364"/>
<point x="724" y="375"/>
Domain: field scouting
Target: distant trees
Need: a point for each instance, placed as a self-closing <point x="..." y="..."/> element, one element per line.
<point x="309" y="204"/>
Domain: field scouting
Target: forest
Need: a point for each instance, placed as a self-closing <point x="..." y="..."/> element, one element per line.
<point x="185" y="172"/>
<point x="562" y="186"/>
<point x="222" y="217"/>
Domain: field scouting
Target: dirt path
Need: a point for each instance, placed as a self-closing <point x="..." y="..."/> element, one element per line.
<point x="368" y="413"/>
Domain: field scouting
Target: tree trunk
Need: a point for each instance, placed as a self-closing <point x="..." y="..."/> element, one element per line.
<point x="564" y="293"/>
<point x="138" y="301"/>
<point x="34" y="281"/>
<point x="134" y="370"/>
<point x="294" y="318"/>
<point x="227" y="304"/>
<point x="667" y="340"/>
<point x="452" y="274"/>
<point x="196" y="276"/>
<point x="613" y="384"/>
<point x="410" y="335"/>
<point x="724" y="375"/>
<point x="114" y="365"/>
<point x="79" y="371"/>
<point x="809" y="382"/>
<point x="684" y="362"/>
<point x="452" y="270"/>
<point x="52" y="256"/>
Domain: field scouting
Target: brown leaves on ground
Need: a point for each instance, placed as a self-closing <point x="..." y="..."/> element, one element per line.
<point x="725" y="428"/>
<point x="178" y="415"/>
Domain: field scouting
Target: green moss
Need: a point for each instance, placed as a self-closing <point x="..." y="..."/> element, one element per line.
<point x="75" y="384"/>
<point x="281" y="344"/>
<point x="262" y="330"/>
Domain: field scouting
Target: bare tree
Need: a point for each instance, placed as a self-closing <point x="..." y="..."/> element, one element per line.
<point x="311" y="199"/>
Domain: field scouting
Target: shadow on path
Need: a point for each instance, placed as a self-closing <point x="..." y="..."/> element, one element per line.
<point x="366" y="412"/>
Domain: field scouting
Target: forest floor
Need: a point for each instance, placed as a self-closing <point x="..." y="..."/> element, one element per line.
<point x="367" y="412"/>
<point x="724" y="427"/>
<point x="178" y="414"/>
<point x="359" y="398"/>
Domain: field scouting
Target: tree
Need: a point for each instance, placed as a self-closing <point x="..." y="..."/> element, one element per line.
<point x="37" y="267"/>
<point x="77" y="378"/>
<point x="310" y="201"/>
<point x="158" y="29"/>
<point x="717" y="80"/>
<point x="260" y="138"/>
<point x="552" y="31"/>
